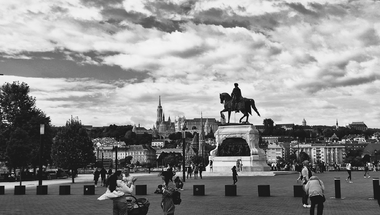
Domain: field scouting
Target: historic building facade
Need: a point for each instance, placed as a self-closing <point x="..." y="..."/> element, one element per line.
<point x="162" y="128"/>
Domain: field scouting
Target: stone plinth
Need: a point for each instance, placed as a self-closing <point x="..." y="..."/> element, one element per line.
<point x="248" y="132"/>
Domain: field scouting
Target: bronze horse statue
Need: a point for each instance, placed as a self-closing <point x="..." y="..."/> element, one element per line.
<point x="244" y="106"/>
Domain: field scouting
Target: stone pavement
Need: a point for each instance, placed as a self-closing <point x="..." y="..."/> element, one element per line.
<point x="356" y="197"/>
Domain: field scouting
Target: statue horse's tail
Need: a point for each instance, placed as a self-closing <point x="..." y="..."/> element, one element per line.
<point x="252" y="102"/>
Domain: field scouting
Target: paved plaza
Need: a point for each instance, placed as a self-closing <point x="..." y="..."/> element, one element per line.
<point x="357" y="198"/>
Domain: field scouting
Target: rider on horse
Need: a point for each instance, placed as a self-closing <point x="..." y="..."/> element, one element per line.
<point x="236" y="97"/>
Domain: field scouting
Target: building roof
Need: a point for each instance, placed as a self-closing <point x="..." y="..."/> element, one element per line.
<point x="371" y="147"/>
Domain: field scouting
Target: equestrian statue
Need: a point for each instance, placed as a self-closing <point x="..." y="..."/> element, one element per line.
<point x="237" y="103"/>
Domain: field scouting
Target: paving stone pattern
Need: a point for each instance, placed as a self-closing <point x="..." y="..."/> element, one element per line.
<point x="356" y="197"/>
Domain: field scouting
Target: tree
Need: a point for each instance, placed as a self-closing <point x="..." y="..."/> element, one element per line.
<point x="303" y="156"/>
<point x="73" y="148"/>
<point x="19" y="114"/>
<point x="19" y="150"/>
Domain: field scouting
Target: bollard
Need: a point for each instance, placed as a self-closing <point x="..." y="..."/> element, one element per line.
<point x="64" y="190"/>
<point x="298" y="190"/>
<point x="2" y="190"/>
<point x="337" y="187"/>
<point x="89" y="190"/>
<point x="230" y="190"/>
<point x="264" y="190"/>
<point x="20" y="190"/>
<point x="375" y="182"/>
<point x="42" y="190"/>
<point x="198" y="190"/>
<point x="141" y="189"/>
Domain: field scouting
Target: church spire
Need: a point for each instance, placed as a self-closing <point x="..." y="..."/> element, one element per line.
<point x="159" y="112"/>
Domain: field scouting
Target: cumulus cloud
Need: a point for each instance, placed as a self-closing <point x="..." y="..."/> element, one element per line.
<point x="281" y="52"/>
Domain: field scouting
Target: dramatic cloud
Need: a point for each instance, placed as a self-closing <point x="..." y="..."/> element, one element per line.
<point x="108" y="61"/>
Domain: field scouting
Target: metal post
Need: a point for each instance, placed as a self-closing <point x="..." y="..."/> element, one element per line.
<point x="337" y="187"/>
<point x="116" y="159"/>
<point x="42" y="131"/>
<point x="183" y="156"/>
<point x="102" y="159"/>
<point x="375" y="182"/>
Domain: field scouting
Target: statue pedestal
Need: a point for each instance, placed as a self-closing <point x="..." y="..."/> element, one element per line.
<point x="256" y="162"/>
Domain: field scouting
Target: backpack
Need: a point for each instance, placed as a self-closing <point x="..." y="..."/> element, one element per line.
<point x="176" y="196"/>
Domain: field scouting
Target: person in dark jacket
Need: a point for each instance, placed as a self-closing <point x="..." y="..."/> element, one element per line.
<point x="103" y="173"/>
<point x="96" y="176"/>
<point x="234" y="174"/>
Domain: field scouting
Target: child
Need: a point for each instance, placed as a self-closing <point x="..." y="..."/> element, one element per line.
<point x="178" y="183"/>
<point x="158" y="190"/>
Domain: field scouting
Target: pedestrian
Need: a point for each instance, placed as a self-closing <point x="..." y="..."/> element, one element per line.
<point x="96" y="176"/>
<point x="189" y="171"/>
<point x="315" y="190"/>
<point x="168" y="188"/>
<point x="366" y="170"/>
<point x="120" y="204"/>
<point x="200" y="171"/>
<point x="306" y="175"/>
<point x="348" y="168"/>
<point x="234" y="174"/>
<point x="298" y="168"/>
<point x="103" y="174"/>
<point x="196" y="169"/>
<point x="238" y="165"/>
<point x="127" y="177"/>
<point x="109" y="173"/>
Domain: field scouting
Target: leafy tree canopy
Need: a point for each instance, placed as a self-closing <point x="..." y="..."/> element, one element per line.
<point x="73" y="148"/>
<point x="20" y="115"/>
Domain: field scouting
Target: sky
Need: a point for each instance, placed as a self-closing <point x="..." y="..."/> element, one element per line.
<point x="107" y="62"/>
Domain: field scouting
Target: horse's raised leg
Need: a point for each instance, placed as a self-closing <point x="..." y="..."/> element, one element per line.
<point x="245" y="115"/>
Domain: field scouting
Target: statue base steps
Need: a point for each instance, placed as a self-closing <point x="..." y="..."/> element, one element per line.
<point x="250" y="164"/>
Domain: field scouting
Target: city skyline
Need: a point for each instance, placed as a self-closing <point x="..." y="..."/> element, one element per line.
<point x="107" y="62"/>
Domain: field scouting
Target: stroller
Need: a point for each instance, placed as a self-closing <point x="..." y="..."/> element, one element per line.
<point x="137" y="206"/>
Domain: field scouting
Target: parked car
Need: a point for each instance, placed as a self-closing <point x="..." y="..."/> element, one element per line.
<point x="7" y="177"/>
<point x="55" y="174"/>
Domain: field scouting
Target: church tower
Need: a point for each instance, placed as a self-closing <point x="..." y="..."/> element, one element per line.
<point x="336" y="124"/>
<point x="159" y="112"/>
<point x="303" y="122"/>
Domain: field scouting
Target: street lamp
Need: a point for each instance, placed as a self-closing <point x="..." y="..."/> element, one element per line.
<point x="183" y="151"/>
<point x="102" y="157"/>
<point x="183" y="154"/>
<point x="42" y="132"/>
<point x="375" y="163"/>
<point x="115" y="148"/>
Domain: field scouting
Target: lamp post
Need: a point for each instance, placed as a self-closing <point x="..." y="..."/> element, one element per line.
<point x="102" y="157"/>
<point x="42" y="132"/>
<point x="183" y="155"/>
<point x="375" y="156"/>
<point x="115" y="147"/>
<point x="298" y="150"/>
